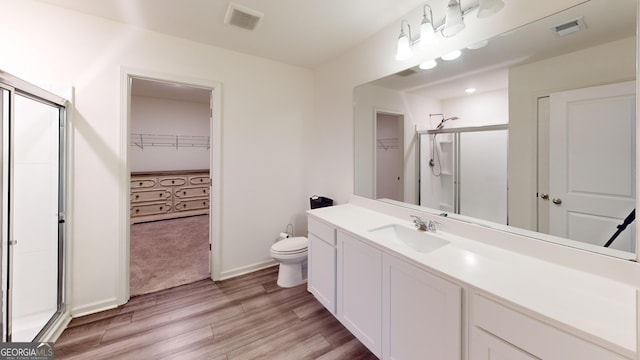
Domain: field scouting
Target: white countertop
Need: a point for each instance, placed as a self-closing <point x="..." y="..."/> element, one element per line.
<point x="589" y="305"/>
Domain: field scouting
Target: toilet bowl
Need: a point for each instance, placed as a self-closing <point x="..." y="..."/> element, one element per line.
<point x="291" y="253"/>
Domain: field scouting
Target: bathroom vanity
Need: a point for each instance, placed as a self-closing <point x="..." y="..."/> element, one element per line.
<point x="448" y="295"/>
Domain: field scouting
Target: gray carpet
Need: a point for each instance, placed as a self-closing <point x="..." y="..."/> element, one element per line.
<point x="168" y="253"/>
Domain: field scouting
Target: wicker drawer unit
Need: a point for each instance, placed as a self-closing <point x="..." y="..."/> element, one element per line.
<point x="167" y="195"/>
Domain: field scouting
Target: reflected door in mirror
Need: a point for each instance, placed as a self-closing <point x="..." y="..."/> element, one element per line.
<point x="592" y="172"/>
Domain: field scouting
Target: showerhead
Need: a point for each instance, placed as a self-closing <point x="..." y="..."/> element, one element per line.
<point x="441" y="125"/>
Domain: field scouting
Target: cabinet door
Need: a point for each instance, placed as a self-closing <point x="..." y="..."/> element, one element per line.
<point x="322" y="272"/>
<point x="360" y="290"/>
<point x="422" y="313"/>
<point x="484" y="346"/>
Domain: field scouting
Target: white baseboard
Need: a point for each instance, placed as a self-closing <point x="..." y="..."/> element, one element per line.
<point x="94" y="307"/>
<point x="228" y="274"/>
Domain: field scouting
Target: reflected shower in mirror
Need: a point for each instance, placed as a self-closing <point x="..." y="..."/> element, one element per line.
<point x="557" y="96"/>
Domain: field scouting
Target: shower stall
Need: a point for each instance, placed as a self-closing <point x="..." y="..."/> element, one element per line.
<point x="33" y="209"/>
<point x="464" y="171"/>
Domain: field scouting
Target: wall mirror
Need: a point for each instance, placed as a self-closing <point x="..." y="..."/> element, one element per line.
<point x="550" y="129"/>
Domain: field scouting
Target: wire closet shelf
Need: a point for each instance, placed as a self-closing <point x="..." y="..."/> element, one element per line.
<point x="175" y="141"/>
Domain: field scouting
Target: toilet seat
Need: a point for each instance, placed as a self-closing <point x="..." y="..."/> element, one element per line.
<point x="290" y="246"/>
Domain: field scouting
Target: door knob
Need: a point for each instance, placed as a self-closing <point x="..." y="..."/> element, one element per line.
<point x="545" y="196"/>
<point x="557" y="201"/>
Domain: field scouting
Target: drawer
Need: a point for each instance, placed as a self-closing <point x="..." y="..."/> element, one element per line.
<point x="193" y="204"/>
<point x="532" y="335"/>
<point x="199" y="180"/>
<point x="143" y="183"/>
<point x="173" y="181"/>
<point x="151" y="209"/>
<point x="323" y="231"/>
<point x="150" y="195"/>
<point x="189" y="192"/>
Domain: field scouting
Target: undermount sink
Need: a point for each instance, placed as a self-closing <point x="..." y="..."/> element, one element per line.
<point x="420" y="241"/>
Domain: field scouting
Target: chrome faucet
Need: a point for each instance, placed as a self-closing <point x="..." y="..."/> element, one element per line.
<point x="431" y="226"/>
<point x="424" y="226"/>
<point x="419" y="223"/>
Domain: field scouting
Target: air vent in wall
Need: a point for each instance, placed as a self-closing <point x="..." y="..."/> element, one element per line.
<point x="407" y="72"/>
<point x="569" y="27"/>
<point x="242" y="17"/>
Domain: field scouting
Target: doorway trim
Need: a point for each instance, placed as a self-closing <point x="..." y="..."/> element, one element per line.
<point x="215" y="166"/>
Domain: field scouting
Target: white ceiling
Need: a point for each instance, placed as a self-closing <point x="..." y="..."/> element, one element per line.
<point x="302" y="33"/>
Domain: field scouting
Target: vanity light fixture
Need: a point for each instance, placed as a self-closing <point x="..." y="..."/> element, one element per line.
<point x="451" y="25"/>
<point x="452" y="55"/>
<point x="487" y="8"/>
<point x="427" y="31"/>
<point x="453" y="22"/>
<point x="404" y="51"/>
<point x="429" y="64"/>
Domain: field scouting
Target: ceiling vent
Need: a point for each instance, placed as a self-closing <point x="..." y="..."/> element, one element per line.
<point x="570" y="27"/>
<point x="243" y="17"/>
<point x="407" y="72"/>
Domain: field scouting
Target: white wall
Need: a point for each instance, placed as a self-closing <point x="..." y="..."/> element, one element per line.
<point x="488" y="108"/>
<point x="168" y="117"/>
<point x="266" y="112"/>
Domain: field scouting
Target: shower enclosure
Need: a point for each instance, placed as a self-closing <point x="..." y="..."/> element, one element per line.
<point x="464" y="171"/>
<point x="33" y="223"/>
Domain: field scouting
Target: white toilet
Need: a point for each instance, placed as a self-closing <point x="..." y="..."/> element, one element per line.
<point x="291" y="253"/>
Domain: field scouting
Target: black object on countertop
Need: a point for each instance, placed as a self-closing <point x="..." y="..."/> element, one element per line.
<point x="319" y="201"/>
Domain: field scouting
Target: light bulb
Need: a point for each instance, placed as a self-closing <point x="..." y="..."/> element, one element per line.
<point x="429" y="64"/>
<point x="452" y="55"/>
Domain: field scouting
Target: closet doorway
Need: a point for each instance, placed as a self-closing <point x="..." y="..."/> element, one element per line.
<point x="170" y="183"/>
<point x="389" y="155"/>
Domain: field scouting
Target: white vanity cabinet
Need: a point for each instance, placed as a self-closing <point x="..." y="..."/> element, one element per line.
<point x="359" y="280"/>
<point x="501" y="332"/>
<point x="396" y="309"/>
<point x="422" y="313"/>
<point x="321" y="277"/>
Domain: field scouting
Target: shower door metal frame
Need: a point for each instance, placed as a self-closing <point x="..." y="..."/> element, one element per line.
<point x="16" y="86"/>
<point x="456" y="153"/>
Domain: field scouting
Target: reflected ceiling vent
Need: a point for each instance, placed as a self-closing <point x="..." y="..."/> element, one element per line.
<point x="570" y="27"/>
<point x="243" y="17"/>
<point x="407" y="72"/>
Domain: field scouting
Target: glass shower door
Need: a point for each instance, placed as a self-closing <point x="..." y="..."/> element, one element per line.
<point x="34" y="264"/>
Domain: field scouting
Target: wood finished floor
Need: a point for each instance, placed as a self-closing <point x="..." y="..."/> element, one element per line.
<point x="248" y="317"/>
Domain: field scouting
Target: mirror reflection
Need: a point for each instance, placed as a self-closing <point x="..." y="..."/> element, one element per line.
<point x="531" y="132"/>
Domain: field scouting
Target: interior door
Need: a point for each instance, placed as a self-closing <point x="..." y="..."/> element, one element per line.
<point x="592" y="169"/>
